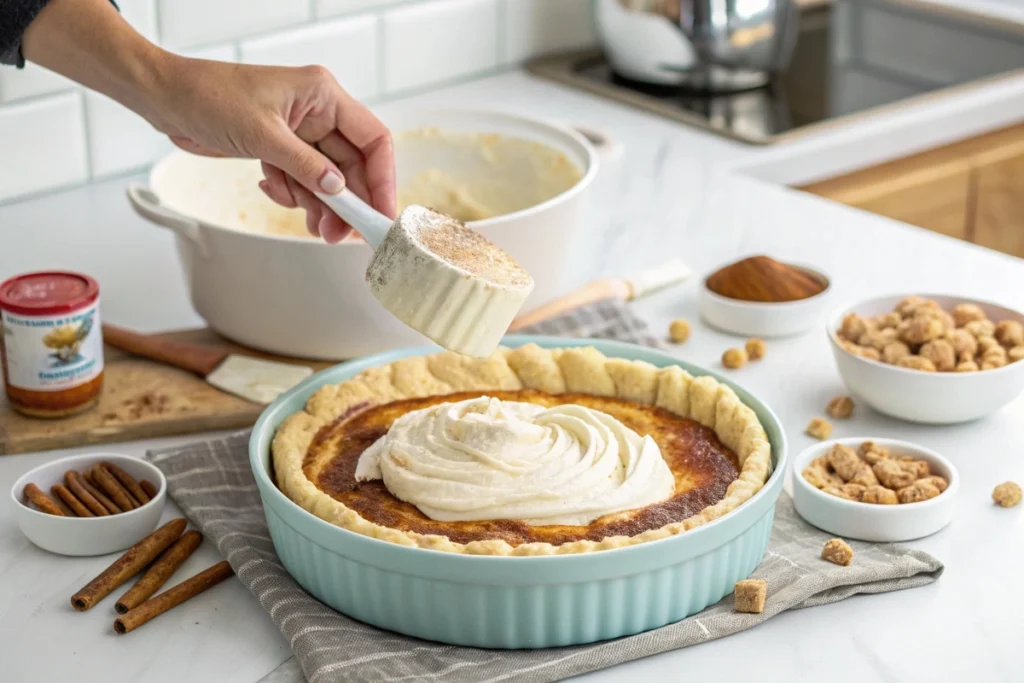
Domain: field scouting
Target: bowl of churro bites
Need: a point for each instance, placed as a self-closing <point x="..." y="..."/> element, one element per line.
<point x="932" y="358"/>
<point x="877" y="490"/>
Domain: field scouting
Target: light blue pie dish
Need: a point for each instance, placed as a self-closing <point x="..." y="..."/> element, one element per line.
<point x="515" y="602"/>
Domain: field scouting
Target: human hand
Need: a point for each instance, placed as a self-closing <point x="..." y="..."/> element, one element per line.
<point x="310" y="135"/>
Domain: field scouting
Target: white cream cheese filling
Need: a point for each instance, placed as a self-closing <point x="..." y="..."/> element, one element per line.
<point x="485" y="459"/>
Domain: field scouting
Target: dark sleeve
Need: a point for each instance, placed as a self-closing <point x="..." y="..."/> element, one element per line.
<point x="15" y="16"/>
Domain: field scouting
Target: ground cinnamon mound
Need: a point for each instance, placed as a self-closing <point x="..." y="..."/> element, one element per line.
<point x="763" y="279"/>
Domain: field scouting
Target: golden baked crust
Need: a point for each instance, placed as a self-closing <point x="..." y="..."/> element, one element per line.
<point x="582" y="370"/>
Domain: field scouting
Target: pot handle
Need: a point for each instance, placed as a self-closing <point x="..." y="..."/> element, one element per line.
<point x="147" y="204"/>
<point x="609" y="148"/>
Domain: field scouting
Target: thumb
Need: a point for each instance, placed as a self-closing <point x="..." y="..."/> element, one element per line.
<point x="303" y="162"/>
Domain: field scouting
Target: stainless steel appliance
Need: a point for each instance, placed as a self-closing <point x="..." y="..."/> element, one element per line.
<point x="850" y="58"/>
<point x="710" y="45"/>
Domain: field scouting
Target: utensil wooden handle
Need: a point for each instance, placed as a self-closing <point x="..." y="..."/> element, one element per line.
<point x="196" y="358"/>
<point x="592" y="292"/>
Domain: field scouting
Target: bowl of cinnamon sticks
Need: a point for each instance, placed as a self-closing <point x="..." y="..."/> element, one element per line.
<point x="759" y="296"/>
<point x="90" y="504"/>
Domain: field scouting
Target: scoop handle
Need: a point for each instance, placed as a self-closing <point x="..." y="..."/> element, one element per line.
<point x="368" y="222"/>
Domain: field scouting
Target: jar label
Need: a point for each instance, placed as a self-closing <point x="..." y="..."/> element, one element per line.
<point x="53" y="353"/>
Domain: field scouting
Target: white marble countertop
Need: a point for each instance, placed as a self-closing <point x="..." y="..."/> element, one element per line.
<point x="680" y="193"/>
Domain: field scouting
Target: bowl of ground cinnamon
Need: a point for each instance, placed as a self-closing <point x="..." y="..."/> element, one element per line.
<point x="760" y="296"/>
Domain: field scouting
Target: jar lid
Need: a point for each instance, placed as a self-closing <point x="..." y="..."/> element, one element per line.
<point x="48" y="293"/>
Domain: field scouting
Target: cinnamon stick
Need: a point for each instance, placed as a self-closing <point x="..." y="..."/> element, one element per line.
<point x="70" y="500"/>
<point x="68" y="512"/>
<point x="127" y="481"/>
<point x="112" y="487"/>
<point x="74" y="481"/>
<point x="38" y="497"/>
<point x="189" y="588"/>
<point x="111" y="507"/>
<point x="148" y="487"/>
<point x="128" y="565"/>
<point x="159" y="572"/>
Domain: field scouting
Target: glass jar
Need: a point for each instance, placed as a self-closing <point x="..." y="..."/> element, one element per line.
<point x="51" y="346"/>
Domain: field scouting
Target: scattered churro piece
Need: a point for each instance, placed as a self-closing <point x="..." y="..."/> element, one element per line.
<point x="750" y="595"/>
<point x="879" y="495"/>
<point x="855" y="491"/>
<point x="679" y="330"/>
<point x="851" y="468"/>
<point x="837" y="551"/>
<point x="918" y="491"/>
<point x="840" y="407"/>
<point x="919" y="468"/>
<point x="755" y="348"/>
<point x="1007" y="494"/>
<point x="819" y="428"/>
<point x="821" y="476"/>
<point x="892" y="475"/>
<point x="938" y="482"/>
<point x="734" y="358"/>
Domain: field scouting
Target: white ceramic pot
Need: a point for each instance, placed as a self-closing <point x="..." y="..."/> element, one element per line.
<point x="297" y="296"/>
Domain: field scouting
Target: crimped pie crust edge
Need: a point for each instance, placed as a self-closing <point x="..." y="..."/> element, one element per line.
<point x="578" y="369"/>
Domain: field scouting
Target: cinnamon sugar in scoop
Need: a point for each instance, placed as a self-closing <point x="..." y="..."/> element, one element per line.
<point x="765" y="280"/>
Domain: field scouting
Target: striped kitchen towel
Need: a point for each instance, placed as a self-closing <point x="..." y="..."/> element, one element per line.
<point x="212" y="483"/>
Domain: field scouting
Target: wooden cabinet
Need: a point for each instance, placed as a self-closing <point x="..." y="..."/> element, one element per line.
<point x="972" y="190"/>
<point x="998" y="221"/>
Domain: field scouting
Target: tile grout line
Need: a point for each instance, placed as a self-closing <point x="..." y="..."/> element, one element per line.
<point x="86" y="135"/>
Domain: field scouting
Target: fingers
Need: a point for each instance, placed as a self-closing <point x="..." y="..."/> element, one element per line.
<point x="305" y="200"/>
<point x="350" y="162"/>
<point x="277" y="186"/>
<point x="373" y="139"/>
<point x="320" y="221"/>
<point x="283" y="149"/>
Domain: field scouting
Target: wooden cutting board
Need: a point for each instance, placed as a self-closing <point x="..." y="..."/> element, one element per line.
<point x="141" y="400"/>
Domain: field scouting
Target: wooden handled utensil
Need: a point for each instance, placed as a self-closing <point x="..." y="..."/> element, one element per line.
<point x="629" y="288"/>
<point x="256" y="380"/>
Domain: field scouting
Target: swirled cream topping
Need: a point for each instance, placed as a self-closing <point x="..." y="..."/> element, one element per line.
<point x="486" y="459"/>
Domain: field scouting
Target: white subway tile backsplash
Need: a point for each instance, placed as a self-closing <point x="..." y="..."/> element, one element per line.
<point x="332" y="8"/>
<point x="186" y="23"/>
<point x="119" y="139"/>
<point x="536" y="27"/>
<point x="346" y="47"/>
<point x="437" y="41"/>
<point x="33" y="80"/>
<point x="44" y="145"/>
<point x="57" y="134"/>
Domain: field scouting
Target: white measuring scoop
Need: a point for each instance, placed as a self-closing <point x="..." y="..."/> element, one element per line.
<point x="438" y="276"/>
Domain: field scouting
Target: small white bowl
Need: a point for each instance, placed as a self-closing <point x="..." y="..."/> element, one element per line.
<point x="868" y="521"/>
<point x="764" y="319"/>
<point x="926" y="397"/>
<point x="83" y="536"/>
